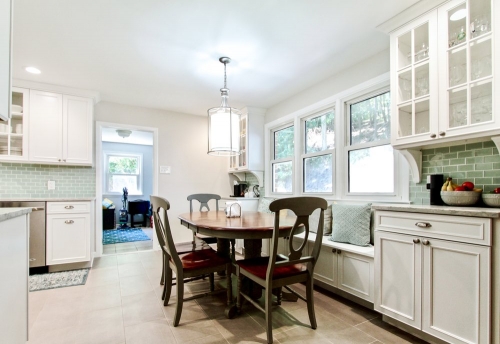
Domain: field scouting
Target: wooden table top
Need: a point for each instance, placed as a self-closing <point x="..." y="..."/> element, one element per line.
<point x="251" y="224"/>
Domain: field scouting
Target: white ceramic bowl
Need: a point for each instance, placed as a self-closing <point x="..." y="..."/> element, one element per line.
<point x="460" y="198"/>
<point x="492" y="200"/>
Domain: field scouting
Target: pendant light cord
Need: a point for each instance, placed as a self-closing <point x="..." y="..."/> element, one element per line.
<point x="225" y="75"/>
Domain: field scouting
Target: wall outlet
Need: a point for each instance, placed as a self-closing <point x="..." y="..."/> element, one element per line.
<point x="51" y="185"/>
<point x="165" y="169"/>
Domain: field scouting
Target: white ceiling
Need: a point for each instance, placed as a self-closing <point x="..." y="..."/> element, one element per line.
<point x="136" y="137"/>
<point x="164" y="54"/>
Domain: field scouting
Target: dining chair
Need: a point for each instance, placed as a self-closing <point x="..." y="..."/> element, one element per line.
<point x="204" y="199"/>
<point x="278" y="270"/>
<point x="188" y="266"/>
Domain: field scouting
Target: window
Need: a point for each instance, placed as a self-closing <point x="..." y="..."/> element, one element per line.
<point x="123" y="170"/>
<point x="282" y="161"/>
<point x="318" y="154"/>
<point x="370" y="157"/>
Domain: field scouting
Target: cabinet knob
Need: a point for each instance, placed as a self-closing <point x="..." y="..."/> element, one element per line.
<point x="416" y="240"/>
<point x="442" y="133"/>
<point x="423" y="224"/>
<point x="433" y="136"/>
<point x="339" y="251"/>
<point x="425" y="242"/>
<point x="68" y="207"/>
<point x="58" y="159"/>
<point x="334" y="250"/>
<point x="69" y="222"/>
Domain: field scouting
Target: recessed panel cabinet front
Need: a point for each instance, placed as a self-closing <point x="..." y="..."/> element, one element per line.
<point x="68" y="238"/>
<point x="77" y="129"/>
<point x="45" y="133"/>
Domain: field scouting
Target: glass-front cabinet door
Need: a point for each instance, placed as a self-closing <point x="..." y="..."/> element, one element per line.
<point x="13" y="143"/>
<point x="414" y="93"/>
<point x="466" y="53"/>
<point x="239" y="162"/>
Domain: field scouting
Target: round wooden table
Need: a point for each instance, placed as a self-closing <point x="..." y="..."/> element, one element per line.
<point x="252" y="226"/>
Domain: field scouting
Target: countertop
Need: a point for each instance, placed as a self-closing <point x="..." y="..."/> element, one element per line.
<point x="440" y="209"/>
<point x="8" y="213"/>
<point x="66" y="199"/>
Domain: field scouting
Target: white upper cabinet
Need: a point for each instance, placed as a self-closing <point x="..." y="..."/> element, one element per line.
<point x="5" y="57"/>
<point x="442" y="75"/>
<point x="60" y="128"/>
<point x="13" y="132"/>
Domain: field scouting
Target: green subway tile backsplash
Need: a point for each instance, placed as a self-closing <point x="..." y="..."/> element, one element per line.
<point x="476" y="162"/>
<point x="30" y="181"/>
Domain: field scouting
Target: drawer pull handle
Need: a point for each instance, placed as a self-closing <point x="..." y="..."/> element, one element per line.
<point x="68" y="207"/>
<point x="423" y="224"/>
<point x="68" y="222"/>
<point x="425" y="242"/>
<point x="416" y="241"/>
<point x="334" y="250"/>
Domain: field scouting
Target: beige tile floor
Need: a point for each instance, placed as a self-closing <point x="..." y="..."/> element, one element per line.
<point x="121" y="303"/>
<point x="133" y="246"/>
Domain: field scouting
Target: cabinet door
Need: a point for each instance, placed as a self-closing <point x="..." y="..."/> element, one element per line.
<point x="467" y="68"/>
<point x="13" y="134"/>
<point x="398" y="277"/>
<point x="68" y="238"/>
<point x="456" y="291"/>
<point x="5" y="57"/>
<point x="326" y="266"/>
<point x="77" y="130"/>
<point x="414" y="81"/>
<point x="45" y="126"/>
<point x="355" y="274"/>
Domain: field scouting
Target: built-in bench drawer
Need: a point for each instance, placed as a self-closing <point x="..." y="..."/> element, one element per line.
<point x="456" y="228"/>
<point x="68" y="207"/>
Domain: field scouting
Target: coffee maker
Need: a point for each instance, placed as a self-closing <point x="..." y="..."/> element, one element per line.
<point x="239" y="189"/>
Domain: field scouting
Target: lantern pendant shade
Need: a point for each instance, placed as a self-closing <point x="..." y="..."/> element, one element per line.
<point x="224" y="124"/>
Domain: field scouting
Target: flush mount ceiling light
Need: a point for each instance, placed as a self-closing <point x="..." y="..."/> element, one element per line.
<point x="224" y="124"/>
<point x="32" y="70"/>
<point x="123" y="132"/>
<point x="460" y="14"/>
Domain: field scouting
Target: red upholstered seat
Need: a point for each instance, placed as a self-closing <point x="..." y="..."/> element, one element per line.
<point x="201" y="259"/>
<point x="258" y="267"/>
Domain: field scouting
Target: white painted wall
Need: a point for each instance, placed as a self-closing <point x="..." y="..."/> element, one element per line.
<point x="182" y="144"/>
<point x="372" y="67"/>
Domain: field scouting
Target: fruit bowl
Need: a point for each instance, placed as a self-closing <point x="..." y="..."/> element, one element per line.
<point x="492" y="200"/>
<point x="460" y="198"/>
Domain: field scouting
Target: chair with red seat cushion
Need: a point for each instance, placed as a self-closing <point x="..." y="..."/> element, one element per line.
<point x="188" y="266"/>
<point x="277" y="270"/>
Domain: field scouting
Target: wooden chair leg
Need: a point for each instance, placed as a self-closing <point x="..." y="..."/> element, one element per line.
<point x="212" y="282"/>
<point x="268" y="309"/>
<point x="180" y="300"/>
<point x="238" y="297"/>
<point x="168" y="284"/>
<point x="162" y="280"/>
<point x="310" y="302"/>
<point x="229" y="285"/>
<point x="279" y="296"/>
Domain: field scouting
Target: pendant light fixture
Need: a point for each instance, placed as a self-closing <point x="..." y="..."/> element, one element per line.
<point x="224" y="124"/>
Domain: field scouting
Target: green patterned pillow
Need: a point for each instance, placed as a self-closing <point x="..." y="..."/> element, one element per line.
<point x="351" y="224"/>
<point x="264" y="202"/>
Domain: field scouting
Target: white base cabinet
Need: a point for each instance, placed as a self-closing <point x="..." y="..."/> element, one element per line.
<point x="439" y="286"/>
<point x="68" y="232"/>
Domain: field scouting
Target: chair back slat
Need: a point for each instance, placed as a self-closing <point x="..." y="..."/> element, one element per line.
<point x="302" y="207"/>
<point x="163" y="231"/>
<point x="203" y="199"/>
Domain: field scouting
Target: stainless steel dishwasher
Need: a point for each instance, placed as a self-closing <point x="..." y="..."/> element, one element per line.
<point x="37" y="230"/>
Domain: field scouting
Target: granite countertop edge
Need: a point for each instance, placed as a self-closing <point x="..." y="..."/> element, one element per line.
<point x="442" y="210"/>
<point x="9" y="213"/>
<point x="62" y="199"/>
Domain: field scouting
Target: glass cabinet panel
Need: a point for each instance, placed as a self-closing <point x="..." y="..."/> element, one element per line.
<point x="422" y="117"/>
<point x="405" y="121"/>
<point x="11" y="132"/>
<point x="481" y="102"/>
<point x="404" y="48"/>
<point x="405" y="86"/>
<point x="458" y="107"/>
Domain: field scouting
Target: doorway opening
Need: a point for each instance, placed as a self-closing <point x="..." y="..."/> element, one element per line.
<point x="126" y="177"/>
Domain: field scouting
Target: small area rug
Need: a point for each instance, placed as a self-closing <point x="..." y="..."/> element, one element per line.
<point x="116" y="236"/>
<point x="61" y="279"/>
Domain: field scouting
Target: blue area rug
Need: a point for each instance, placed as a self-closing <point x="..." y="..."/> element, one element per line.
<point x="61" y="279"/>
<point x="116" y="236"/>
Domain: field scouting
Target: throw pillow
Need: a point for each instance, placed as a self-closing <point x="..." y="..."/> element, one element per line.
<point x="327" y="223"/>
<point x="352" y="224"/>
<point x="263" y="206"/>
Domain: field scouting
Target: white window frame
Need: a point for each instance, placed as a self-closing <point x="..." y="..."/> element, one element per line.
<point x="304" y="156"/>
<point x="106" y="156"/>
<point x="337" y="102"/>
<point x="287" y="159"/>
